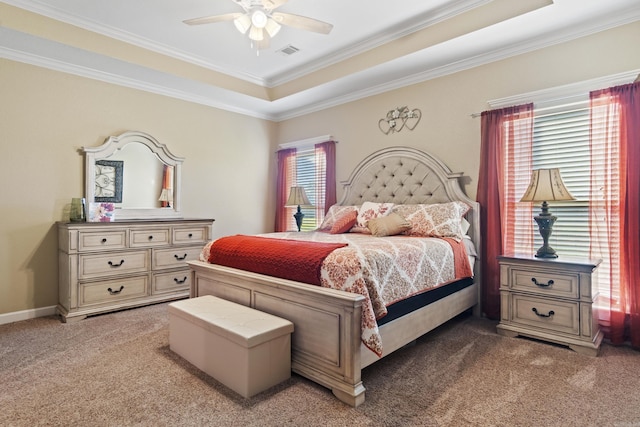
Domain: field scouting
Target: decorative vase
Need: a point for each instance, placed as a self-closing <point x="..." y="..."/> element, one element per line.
<point x="77" y="212"/>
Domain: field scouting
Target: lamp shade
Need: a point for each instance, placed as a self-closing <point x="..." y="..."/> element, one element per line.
<point x="166" y="195"/>
<point x="297" y="197"/>
<point x="546" y="185"/>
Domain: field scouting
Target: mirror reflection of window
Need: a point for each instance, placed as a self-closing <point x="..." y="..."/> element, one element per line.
<point x="166" y="193"/>
<point x="142" y="179"/>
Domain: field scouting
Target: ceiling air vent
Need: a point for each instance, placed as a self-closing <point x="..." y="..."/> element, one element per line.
<point x="288" y="50"/>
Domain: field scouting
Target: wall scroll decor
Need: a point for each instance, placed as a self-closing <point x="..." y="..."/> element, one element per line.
<point x="399" y="118"/>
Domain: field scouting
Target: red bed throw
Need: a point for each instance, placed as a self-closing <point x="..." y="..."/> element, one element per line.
<point x="287" y="259"/>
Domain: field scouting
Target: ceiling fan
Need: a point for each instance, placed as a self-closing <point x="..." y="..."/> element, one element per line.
<point x="261" y="21"/>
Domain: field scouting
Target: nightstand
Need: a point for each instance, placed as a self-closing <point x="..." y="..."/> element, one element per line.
<point x="550" y="299"/>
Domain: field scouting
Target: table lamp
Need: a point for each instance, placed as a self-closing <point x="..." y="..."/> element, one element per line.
<point x="546" y="186"/>
<point x="297" y="197"/>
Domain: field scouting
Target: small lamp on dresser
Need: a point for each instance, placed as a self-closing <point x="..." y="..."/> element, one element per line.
<point x="546" y="186"/>
<point x="298" y="197"/>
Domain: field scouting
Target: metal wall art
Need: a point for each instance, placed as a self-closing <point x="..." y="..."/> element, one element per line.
<point x="399" y="118"/>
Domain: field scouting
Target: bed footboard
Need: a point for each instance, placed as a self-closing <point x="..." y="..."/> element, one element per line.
<point x="325" y="345"/>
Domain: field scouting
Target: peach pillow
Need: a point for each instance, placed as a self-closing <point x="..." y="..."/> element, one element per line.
<point x="389" y="225"/>
<point x="344" y="223"/>
<point x="335" y="212"/>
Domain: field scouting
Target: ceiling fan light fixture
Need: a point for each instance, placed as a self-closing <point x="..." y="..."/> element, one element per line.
<point x="255" y="33"/>
<point x="272" y="27"/>
<point x="259" y="19"/>
<point x="242" y="23"/>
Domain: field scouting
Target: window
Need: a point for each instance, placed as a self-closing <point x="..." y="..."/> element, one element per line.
<point x="561" y="140"/>
<point x="305" y="174"/>
<point x="309" y="164"/>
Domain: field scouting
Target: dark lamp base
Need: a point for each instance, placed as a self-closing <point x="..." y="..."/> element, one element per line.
<point x="545" y="224"/>
<point x="298" y="216"/>
<point x="546" y="253"/>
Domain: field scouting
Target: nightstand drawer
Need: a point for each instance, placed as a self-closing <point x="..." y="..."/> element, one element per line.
<point x="559" y="316"/>
<point x="545" y="282"/>
<point x="125" y="262"/>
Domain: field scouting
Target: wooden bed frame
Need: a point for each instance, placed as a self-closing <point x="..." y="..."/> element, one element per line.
<point x="326" y="345"/>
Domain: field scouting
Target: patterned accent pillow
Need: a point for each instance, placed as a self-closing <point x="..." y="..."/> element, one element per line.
<point x="335" y="212"/>
<point x="437" y="220"/>
<point x="369" y="211"/>
<point x="344" y="223"/>
<point x="389" y="225"/>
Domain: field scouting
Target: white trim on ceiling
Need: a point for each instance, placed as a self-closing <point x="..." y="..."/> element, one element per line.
<point x="438" y="15"/>
<point x="29" y="49"/>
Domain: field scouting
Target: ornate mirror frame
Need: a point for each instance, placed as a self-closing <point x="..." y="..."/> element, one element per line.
<point x="114" y="143"/>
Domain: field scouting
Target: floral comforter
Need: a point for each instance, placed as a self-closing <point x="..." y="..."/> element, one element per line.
<point x="382" y="269"/>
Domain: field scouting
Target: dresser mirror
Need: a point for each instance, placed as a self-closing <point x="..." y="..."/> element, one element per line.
<point x="137" y="174"/>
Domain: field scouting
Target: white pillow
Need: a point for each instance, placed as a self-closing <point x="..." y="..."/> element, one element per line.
<point x="368" y="211"/>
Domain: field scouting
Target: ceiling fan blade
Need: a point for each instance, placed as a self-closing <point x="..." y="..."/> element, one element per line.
<point x="212" y="19"/>
<point x="273" y="4"/>
<point x="302" y="22"/>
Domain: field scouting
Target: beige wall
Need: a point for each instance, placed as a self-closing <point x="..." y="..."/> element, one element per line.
<point x="46" y="116"/>
<point x="446" y="128"/>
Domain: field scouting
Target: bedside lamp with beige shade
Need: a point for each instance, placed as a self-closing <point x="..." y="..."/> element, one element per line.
<point x="298" y="197"/>
<point x="546" y="186"/>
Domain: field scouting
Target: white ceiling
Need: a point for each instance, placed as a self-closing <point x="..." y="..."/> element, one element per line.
<point x="360" y="27"/>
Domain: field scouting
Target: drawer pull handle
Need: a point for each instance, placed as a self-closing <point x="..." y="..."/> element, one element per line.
<point x="150" y="237"/>
<point x="542" y="285"/>
<point x="104" y="240"/>
<point x="551" y="313"/>
<point x="178" y="281"/>
<point x="179" y="258"/>
<point x="112" y="292"/>
<point x="190" y="235"/>
<point x="116" y="265"/>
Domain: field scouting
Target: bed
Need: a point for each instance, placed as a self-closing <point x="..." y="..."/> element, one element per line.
<point x="327" y="343"/>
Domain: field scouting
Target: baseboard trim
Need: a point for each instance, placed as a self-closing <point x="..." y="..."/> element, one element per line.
<point x="17" y="316"/>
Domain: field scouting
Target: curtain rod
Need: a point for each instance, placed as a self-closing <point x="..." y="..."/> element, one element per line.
<point x="305" y="142"/>
<point x="543" y="109"/>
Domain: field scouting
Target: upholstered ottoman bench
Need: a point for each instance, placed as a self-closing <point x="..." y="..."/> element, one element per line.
<point x="245" y="349"/>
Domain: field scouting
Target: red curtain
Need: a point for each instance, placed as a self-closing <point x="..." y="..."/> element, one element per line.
<point x="614" y="211"/>
<point x="325" y="166"/>
<point x="505" y="133"/>
<point x="285" y="179"/>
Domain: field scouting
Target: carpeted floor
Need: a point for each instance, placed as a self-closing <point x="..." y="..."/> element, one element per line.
<point x="117" y="370"/>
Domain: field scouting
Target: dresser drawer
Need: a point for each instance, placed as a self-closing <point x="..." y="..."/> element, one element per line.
<point x="109" y="291"/>
<point x="174" y="257"/>
<point x="545" y="282"/>
<point x="104" y="240"/>
<point x="187" y="235"/>
<point x="171" y="282"/>
<point x="125" y="262"/>
<point x="559" y="316"/>
<point x="149" y="237"/>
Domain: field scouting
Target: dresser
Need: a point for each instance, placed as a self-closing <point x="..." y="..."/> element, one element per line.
<point x="110" y="266"/>
<point x="551" y="300"/>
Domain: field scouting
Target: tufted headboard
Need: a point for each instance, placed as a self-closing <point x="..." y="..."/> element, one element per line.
<point x="404" y="175"/>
